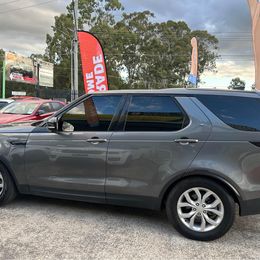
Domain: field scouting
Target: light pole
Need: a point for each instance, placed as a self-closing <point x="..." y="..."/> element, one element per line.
<point x="37" y="65"/>
<point x="75" y="87"/>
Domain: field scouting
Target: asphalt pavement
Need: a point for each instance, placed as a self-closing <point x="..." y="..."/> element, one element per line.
<point x="39" y="228"/>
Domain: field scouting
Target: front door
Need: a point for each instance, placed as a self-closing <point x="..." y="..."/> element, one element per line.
<point x="159" y="140"/>
<point x="72" y="161"/>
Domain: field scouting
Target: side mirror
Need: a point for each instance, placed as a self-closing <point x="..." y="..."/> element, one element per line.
<point x="52" y="124"/>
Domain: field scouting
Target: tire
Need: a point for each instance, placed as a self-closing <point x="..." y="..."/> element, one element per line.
<point x="7" y="187"/>
<point x="186" y="209"/>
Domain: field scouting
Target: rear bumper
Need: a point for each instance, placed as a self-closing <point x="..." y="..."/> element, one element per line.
<point x="250" y="207"/>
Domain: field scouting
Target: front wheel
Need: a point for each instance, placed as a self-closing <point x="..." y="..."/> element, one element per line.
<point x="200" y="209"/>
<point x="7" y="187"/>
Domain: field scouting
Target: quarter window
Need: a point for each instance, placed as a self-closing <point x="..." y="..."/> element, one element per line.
<point x="148" y="113"/>
<point x="238" y="112"/>
<point x="94" y="114"/>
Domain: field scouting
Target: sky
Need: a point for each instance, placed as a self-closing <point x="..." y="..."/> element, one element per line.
<point x="25" y="23"/>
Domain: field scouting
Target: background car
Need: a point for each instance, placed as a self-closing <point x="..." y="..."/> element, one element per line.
<point x="24" y="97"/>
<point x="29" y="110"/>
<point x="5" y="102"/>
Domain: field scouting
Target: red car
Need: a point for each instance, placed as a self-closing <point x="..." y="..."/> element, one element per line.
<point x="29" y="110"/>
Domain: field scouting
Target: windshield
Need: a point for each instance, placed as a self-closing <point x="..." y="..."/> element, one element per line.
<point x="21" y="108"/>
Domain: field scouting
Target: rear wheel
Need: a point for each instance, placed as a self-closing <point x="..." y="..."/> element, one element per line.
<point x="7" y="188"/>
<point x="200" y="209"/>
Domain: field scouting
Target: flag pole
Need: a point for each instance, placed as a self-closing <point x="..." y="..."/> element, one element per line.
<point x="76" y="51"/>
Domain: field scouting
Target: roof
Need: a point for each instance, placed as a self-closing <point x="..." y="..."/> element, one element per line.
<point x="36" y="101"/>
<point x="188" y="92"/>
<point x="7" y="100"/>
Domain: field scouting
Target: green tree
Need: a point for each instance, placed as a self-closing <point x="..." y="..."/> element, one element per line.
<point x="139" y="52"/>
<point x="2" y="55"/>
<point x="237" y="84"/>
<point x="58" y="49"/>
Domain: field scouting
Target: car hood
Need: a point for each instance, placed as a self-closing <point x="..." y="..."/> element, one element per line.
<point x="9" y="118"/>
<point x="9" y="129"/>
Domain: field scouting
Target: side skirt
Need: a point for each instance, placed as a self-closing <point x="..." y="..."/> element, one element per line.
<point x="92" y="197"/>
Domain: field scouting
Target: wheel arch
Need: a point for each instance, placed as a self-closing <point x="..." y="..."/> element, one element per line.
<point x="228" y="185"/>
<point x="6" y="165"/>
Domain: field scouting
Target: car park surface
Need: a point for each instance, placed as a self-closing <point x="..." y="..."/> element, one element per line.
<point x="37" y="228"/>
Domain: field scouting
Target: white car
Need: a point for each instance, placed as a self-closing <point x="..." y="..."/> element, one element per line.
<point x="5" y="102"/>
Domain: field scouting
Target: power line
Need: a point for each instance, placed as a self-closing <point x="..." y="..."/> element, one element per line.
<point x="9" y="2"/>
<point x="26" y="7"/>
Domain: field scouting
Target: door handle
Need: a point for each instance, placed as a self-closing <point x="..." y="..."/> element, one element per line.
<point x="186" y="141"/>
<point x="96" y="141"/>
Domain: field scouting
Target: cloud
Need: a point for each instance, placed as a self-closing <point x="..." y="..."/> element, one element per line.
<point x="25" y="31"/>
<point x="228" y="20"/>
<point x="227" y="70"/>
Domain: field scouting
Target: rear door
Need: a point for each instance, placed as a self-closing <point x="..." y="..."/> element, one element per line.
<point x="158" y="138"/>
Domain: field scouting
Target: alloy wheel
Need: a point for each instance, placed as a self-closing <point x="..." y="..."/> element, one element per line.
<point x="200" y="209"/>
<point x="1" y="184"/>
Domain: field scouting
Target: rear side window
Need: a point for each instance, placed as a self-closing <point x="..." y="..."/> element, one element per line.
<point x="241" y="113"/>
<point x="56" y="106"/>
<point x="154" y="114"/>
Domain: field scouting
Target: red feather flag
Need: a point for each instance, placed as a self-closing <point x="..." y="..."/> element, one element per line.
<point x="255" y="14"/>
<point x="93" y="63"/>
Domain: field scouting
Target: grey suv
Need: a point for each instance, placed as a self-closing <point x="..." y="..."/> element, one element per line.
<point x="195" y="153"/>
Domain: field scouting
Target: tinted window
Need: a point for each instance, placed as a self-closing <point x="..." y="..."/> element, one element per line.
<point x="148" y="113"/>
<point x="3" y="104"/>
<point x="238" y="112"/>
<point x="94" y="114"/>
<point x="56" y="106"/>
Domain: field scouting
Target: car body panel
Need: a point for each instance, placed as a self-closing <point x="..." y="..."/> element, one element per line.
<point x="136" y="169"/>
<point x="233" y="154"/>
<point x="142" y="163"/>
<point x="66" y="162"/>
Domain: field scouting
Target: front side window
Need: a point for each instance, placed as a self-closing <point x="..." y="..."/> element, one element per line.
<point x="45" y="108"/>
<point x="238" y="112"/>
<point x="153" y="113"/>
<point x="93" y="114"/>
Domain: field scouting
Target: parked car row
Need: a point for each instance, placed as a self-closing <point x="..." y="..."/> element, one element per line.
<point x="17" y="109"/>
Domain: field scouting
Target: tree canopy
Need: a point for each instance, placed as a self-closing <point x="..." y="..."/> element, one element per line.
<point x="140" y="52"/>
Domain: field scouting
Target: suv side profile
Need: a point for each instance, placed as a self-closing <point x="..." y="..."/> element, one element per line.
<point x="195" y="153"/>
